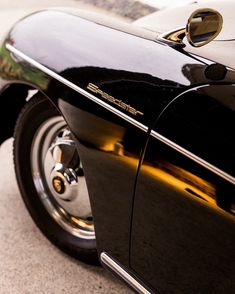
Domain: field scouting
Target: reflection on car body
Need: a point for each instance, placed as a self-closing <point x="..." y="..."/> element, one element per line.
<point x="124" y="155"/>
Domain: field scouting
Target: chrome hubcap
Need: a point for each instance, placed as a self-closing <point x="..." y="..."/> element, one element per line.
<point x="59" y="178"/>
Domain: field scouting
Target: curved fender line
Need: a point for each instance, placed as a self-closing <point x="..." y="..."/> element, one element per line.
<point x="64" y="81"/>
<point x="194" y="157"/>
<point x="122" y="115"/>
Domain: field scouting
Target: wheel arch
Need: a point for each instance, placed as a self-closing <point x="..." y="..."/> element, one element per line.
<point x="13" y="97"/>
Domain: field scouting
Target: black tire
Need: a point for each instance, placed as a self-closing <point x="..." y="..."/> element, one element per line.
<point x="35" y="113"/>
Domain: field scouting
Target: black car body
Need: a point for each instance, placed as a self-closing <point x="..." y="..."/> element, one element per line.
<point x="152" y="121"/>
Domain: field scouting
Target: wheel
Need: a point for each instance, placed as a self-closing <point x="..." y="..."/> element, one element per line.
<point x="51" y="180"/>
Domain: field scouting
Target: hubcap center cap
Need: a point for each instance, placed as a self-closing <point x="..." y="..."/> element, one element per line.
<point x="59" y="178"/>
<point x="58" y="185"/>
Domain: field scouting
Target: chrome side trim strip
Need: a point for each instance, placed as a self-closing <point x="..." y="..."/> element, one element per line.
<point x="122" y="115"/>
<point x="193" y="157"/>
<point x="76" y="88"/>
<point x="109" y="262"/>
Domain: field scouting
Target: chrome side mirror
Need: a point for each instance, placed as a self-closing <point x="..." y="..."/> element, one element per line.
<point x="203" y="26"/>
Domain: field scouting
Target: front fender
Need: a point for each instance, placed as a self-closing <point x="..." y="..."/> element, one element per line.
<point x="110" y="85"/>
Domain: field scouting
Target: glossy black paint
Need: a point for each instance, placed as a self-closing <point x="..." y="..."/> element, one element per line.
<point x="109" y="148"/>
<point x="201" y="121"/>
<point x="148" y="76"/>
<point x="14" y="105"/>
<point x="183" y="231"/>
<point x="186" y="243"/>
<point x="131" y="72"/>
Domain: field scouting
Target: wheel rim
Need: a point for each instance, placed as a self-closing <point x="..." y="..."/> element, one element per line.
<point x="59" y="178"/>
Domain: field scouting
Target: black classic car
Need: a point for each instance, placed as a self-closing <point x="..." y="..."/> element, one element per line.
<point x="123" y="140"/>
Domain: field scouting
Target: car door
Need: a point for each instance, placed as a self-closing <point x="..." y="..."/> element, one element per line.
<point x="183" y="218"/>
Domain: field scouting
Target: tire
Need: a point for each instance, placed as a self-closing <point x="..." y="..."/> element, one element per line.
<point x="51" y="180"/>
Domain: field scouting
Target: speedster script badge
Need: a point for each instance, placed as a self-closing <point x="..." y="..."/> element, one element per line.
<point x="119" y="103"/>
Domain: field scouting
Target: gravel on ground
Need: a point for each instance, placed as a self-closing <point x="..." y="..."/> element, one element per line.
<point x="127" y="8"/>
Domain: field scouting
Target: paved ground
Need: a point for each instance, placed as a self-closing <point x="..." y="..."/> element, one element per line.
<point x="13" y="10"/>
<point x="28" y="261"/>
<point x="9" y="13"/>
